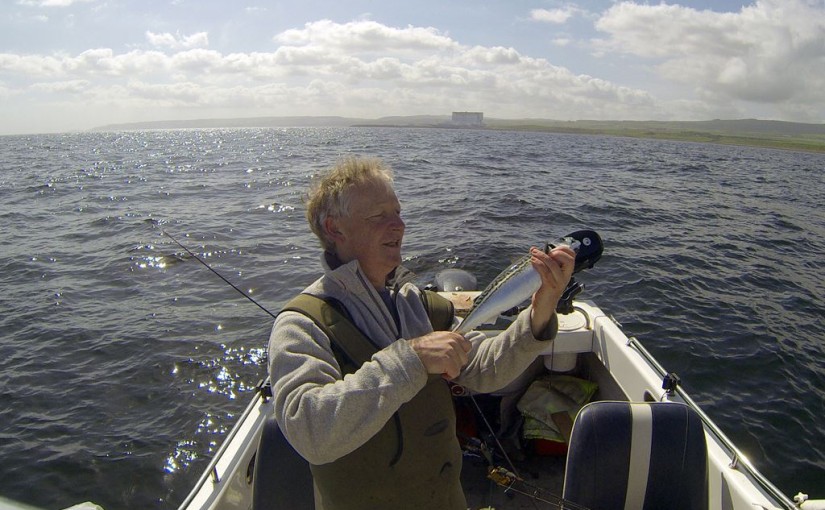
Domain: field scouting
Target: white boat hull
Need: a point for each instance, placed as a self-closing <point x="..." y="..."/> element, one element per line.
<point x="620" y="365"/>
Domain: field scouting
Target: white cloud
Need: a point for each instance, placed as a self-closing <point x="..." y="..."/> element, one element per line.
<point x="364" y="68"/>
<point x="24" y="66"/>
<point x="178" y="41"/>
<point x="771" y="52"/>
<point x="366" y="37"/>
<point x="52" y="3"/>
<point x="556" y="16"/>
<point x="71" y="86"/>
<point x="359" y="69"/>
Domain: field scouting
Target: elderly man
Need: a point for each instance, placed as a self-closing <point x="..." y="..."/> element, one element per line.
<point x="381" y="434"/>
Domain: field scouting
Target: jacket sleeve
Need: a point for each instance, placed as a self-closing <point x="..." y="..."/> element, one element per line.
<point x="496" y="361"/>
<point x="323" y="415"/>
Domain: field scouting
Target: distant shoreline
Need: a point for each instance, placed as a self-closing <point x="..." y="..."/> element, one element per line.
<point x="776" y="140"/>
<point x="742" y="132"/>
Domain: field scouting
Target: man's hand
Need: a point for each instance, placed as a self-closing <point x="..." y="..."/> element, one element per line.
<point x="555" y="269"/>
<point x="442" y="352"/>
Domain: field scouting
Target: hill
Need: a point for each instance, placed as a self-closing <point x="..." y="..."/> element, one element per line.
<point x="753" y="132"/>
<point x="238" y="122"/>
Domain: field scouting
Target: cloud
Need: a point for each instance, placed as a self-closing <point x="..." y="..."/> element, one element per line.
<point x="25" y="66"/>
<point x="366" y="36"/>
<point x="771" y="52"/>
<point x="556" y="16"/>
<point x="52" y="3"/>
<point x="361" y="68"/>
<point x="71" y="86"/>
<point x="367" y="69"/>
<point x="5" y="92"/>
<point x="178" y="41"/>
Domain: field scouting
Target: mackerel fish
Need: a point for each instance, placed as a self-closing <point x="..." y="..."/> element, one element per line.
<point x="519" y="281"/>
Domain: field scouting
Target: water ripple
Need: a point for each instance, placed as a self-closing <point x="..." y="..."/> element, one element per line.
<point x="123" y="359"/>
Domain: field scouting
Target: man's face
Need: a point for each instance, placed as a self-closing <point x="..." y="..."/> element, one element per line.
<point x="373" y="231"/>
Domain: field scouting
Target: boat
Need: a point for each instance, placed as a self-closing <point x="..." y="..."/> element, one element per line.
<point x="639" y="441"/>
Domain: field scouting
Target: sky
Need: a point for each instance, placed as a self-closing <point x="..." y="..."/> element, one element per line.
<point x="70" y="65"/>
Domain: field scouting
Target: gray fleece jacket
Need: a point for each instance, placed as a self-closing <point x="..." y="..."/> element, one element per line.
<point x="326" y="416"/>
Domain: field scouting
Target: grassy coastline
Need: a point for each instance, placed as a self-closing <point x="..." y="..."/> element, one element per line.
<point x="785" y="136"/>
<point x="792" y="136"/>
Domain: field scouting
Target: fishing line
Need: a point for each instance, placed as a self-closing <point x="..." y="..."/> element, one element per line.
<point x="495" y="436"/>
<point x="498" y="442"/>
<point x="207" y="266"/>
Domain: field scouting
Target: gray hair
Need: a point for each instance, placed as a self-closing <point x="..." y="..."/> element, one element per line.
<point x="330" y="194"/>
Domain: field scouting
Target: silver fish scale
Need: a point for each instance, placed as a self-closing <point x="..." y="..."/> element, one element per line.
<point x="505" y="277"/>
<point x="574" y="244"/>
<point x="498" y="281"/>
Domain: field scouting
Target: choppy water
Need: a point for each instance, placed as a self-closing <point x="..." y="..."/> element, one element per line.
<point x="123" y="362"/>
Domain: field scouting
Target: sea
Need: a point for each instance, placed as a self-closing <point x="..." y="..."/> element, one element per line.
<point x="124" y="362"/>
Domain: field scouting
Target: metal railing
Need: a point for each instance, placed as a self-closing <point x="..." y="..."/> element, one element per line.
<point x="739" y="461"/>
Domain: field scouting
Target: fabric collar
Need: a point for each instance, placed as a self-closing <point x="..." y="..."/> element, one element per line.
<point x="398" y="276"/>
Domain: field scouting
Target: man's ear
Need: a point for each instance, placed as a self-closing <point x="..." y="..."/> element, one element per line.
<point x="332" y="230"/>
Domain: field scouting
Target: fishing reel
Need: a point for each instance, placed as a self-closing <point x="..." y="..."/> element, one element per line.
<point x="589" y="248"/>
<point x="587" y="244"/>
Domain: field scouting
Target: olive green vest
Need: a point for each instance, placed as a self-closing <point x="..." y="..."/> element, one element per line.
<point x="414" y="461"/>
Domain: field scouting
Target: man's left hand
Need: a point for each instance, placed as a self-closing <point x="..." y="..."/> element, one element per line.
<point x="555" y="269"/>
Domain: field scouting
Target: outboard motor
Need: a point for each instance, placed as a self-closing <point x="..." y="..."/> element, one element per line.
<point x="455" y="280"/>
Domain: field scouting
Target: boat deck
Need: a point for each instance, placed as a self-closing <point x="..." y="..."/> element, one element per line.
<point x="542" y="474"/>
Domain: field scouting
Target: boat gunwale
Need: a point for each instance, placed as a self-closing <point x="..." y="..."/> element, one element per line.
<point x="211" y="470"/>
<point x="738" y="462"/>
<point x="738" y="458"/>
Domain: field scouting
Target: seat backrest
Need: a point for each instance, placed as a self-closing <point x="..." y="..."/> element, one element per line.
<point x="282" y="479"/>
<point x="637" y="455"/>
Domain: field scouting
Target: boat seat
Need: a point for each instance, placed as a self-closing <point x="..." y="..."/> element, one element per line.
<point x="637" y="455"/>
<point x="282" y="479"/>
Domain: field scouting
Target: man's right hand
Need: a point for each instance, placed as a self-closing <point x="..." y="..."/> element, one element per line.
<point x="442" y="352"/>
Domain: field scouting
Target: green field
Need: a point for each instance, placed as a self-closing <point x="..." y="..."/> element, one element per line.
<point x="774" y="134"/>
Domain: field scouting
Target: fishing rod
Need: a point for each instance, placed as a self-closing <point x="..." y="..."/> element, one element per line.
<point x="156" y="223"/>
<point x="511" y="482"/>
